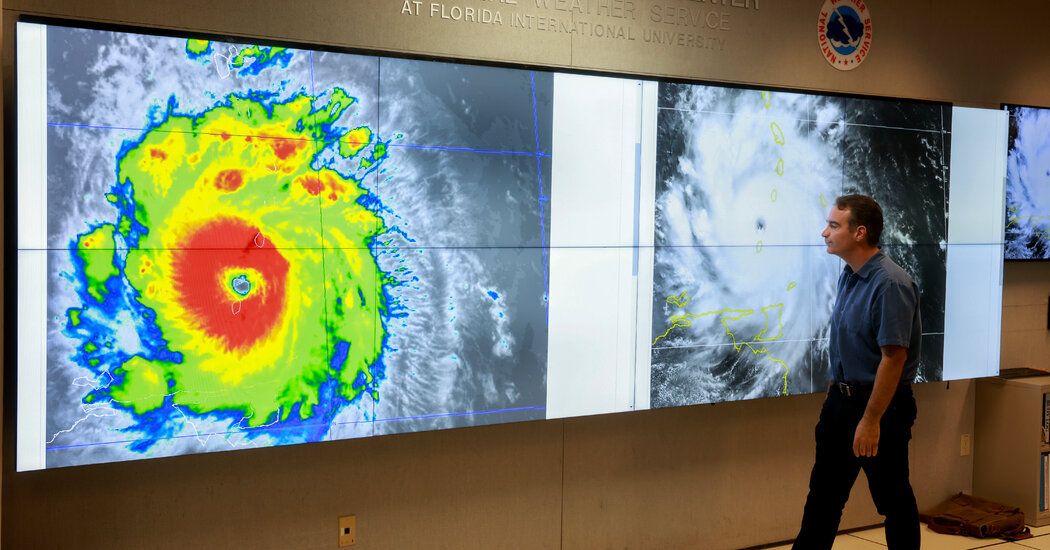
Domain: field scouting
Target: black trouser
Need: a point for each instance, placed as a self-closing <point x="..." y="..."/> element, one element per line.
<point x="836" y="469"/>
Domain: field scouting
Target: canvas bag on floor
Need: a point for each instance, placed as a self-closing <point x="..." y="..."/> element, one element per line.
<point x="977" y="517"/>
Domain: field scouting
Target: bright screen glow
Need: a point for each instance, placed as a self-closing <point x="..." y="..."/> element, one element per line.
<point x="225" y="245"/>
<point x="1028" y="184"/>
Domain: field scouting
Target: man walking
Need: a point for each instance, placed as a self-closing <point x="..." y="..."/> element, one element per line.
<point x="869" y="410"/>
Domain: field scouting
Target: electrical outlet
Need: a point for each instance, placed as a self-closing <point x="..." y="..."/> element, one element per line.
<point x="347" y="531"/>
<point x="964" y="445"/>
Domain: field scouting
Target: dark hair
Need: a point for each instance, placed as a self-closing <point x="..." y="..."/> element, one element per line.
<point x="863" y="210"/>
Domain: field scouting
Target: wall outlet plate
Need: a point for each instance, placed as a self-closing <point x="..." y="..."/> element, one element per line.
<point x="964" y="445"/>
<point x="347" y="531"/>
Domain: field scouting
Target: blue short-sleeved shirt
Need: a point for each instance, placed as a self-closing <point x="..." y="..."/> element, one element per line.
<point x="876" y="306"/>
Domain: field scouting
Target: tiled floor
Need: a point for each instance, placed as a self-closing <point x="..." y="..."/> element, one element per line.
<point x="875" y="539"/>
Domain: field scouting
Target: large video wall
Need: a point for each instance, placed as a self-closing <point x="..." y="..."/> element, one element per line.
<point x="224" y="245"/>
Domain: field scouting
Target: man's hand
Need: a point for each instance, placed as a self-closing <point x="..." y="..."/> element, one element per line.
<point x="866" y="439"/>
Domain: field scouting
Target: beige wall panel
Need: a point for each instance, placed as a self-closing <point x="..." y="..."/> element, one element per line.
<point x="1025" y="340"/>
<point x="987" y="54"/>
<point x="488" y="487"/>
<point x="365" y="24"/>
<point x="946" y="412"/>
<point x="1021" y="318"/>
<point x="449" y="29"/>
<point x="1027" y="283"/>
<point x="1026" y="348"/>
<point x="669" y="49"/>
<point x="775" y="45"/>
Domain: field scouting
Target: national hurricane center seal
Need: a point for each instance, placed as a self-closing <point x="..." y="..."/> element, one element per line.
<point x="844" y="33"/>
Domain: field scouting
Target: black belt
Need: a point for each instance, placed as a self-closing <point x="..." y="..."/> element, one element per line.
<point x="853" y="390"/>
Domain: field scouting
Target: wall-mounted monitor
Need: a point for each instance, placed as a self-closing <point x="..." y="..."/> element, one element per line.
<point x="226" y="245"/>
<point x="1028" y="184"/>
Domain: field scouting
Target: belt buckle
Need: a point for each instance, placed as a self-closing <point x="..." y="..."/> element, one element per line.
<point x="846" y="389"/>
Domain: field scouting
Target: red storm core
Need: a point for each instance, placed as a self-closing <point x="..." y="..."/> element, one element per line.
<point x="230" y="243"/>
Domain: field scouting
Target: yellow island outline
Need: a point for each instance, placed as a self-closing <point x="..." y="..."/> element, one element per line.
<point x="1012" y="220"/>
<point x="681" y="321"/>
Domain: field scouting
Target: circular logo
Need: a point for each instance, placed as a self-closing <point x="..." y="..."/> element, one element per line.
<point x="844" y="33"/>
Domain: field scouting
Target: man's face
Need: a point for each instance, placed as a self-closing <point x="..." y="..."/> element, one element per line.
<point x="837" y="236"/>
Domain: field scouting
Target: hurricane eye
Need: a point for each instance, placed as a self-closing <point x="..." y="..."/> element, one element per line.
<point x="241" y="285"/>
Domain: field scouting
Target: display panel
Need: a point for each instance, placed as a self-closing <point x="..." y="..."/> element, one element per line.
<point x="232" y="245"/>
<point x="1028" y="184"/>
<point x="736" y="171"/>
<point x="232" y="259"/>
